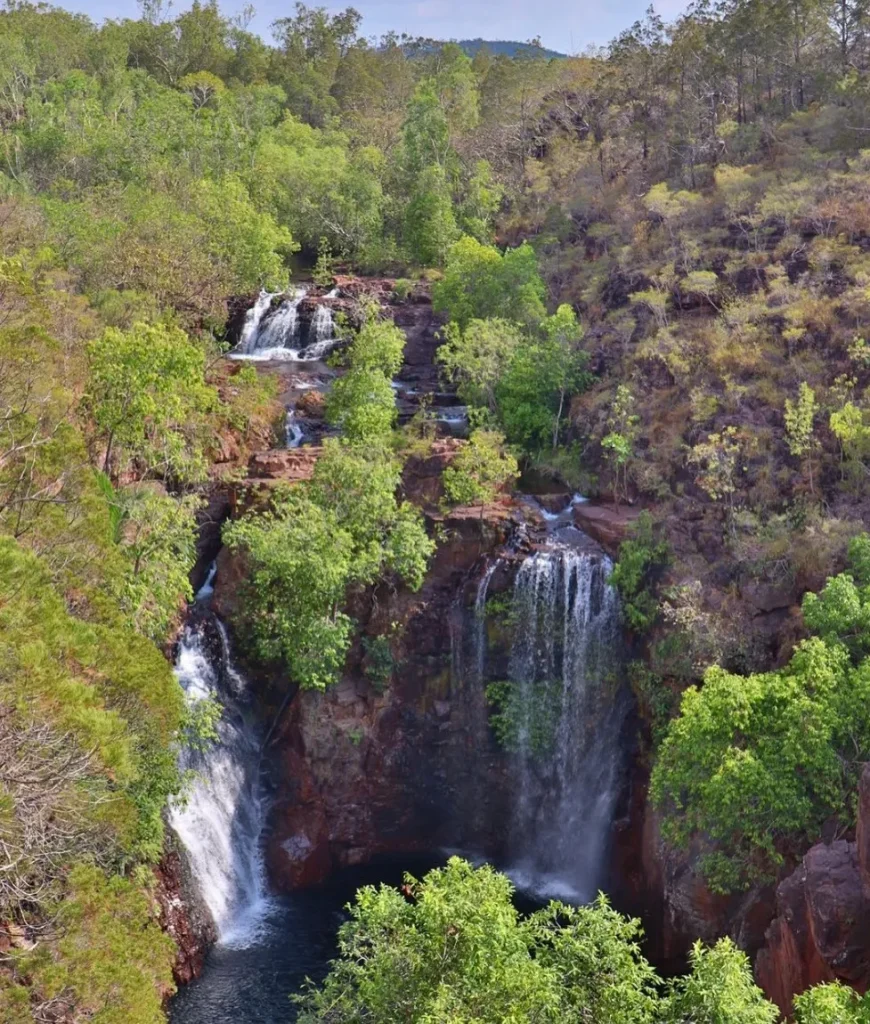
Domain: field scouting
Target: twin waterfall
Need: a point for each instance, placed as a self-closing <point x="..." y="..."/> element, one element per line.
<point x="561" y="714"/>
<point x="565" y="710"/>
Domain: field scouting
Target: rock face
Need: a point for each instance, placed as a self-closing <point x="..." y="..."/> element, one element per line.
<point x="608" y="524"/>
<point x="285" y="464"/>
<point x="664" y="888"/>
<point x="366" y="769"/>
<point x="821" y="931"/>
<point x="182" y="913"/>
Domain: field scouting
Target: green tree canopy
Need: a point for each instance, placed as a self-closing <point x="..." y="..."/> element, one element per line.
<point x="148" y="397"/>
<point x="756" y="764"/>
<point x="482" y="283"/>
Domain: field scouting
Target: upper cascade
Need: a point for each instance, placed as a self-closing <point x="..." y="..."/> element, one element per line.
<point x="273" y="329"/>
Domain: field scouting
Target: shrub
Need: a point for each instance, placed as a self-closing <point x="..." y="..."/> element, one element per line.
<point x="641" y="558"/>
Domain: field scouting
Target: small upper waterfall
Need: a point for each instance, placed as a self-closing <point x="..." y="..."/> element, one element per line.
<point x="221" y="817"/>
<point x="293" y="433"/>
<point x="271" y="328"/>
<point x="560" y="713"/>
<point x="251" y="327"/>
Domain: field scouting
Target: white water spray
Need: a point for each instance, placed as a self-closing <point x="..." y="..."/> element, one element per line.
<point x="269" y="330"/>
<point x="221" y="818"/>
<point x="568" y="711"/>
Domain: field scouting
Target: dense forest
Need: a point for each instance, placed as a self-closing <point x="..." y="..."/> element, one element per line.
<point x="653" y="267"/>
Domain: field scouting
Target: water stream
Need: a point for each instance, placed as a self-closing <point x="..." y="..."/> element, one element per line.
<point x="272" y="330"/>
<point x="220" y="819"/>
<point x="565" y="767"/>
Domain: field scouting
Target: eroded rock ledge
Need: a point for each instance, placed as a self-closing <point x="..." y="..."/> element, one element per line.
<point x="821" y="931"/>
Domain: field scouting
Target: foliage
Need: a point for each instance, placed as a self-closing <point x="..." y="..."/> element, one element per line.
<point x="831" y="1004"/>
<point x="754" y="763"/>
<point x="618" y="443"/>
<point x="477" y="359"/>
<point x="452" y="947"/>
<point x="458" y="950"/>
<point x="379" y="345"/>
<point x="525" y="716"/>
<point x="314" y="541"/>
<point x="148" y="397"/>
<point x="430" y="225"/>
<point x="300" y="561"/>
<point x="113" y="960"/>
<point x="848" y="426"/>
<point x="534" y="393"/>
<point x="799" y="417"/>
<point x="379" y="661"/>
<point x="157" y="534"/>
<point x="95" y="705"/>
<point x="362" y="404"/>
<point x="481" y="283"/>
<point x="324" y="268"/>
<point x="719" y="990"/>
<point x="481" y="468"/>
<point x="358" y="485"/>
<point x="641" y="557"/>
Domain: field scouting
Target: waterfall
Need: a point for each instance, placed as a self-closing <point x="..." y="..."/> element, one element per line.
<point x="293" y="433"/>
<point x="480" y="622"/>
<point x="251" y="326"/>
<point x="221" y="816"/>
<point x="269" y="332"/>
<point x="322" y="325"/>
<point x="562" y="712"/>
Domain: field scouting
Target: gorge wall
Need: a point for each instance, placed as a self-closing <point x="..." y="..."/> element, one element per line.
<point x="409" y="764"/>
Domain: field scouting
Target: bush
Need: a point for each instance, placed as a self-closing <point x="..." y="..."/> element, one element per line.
<point x="641" y="558"/>
<point x="481" y="468"/>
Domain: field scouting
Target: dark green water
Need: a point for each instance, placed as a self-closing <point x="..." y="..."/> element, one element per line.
<point x="252" y="985"/>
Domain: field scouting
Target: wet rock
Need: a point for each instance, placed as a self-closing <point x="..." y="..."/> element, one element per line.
<point x="364" y="770"/>
<point x="608" y="524"/>
<point x="554" y="503"/>
<point x="182" y="913"/>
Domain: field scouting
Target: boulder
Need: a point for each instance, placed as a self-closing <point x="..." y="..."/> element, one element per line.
<point x="608" y="524"/>
<point x="821" y="931"/>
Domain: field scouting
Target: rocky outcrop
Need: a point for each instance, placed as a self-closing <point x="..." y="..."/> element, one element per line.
<point x="665" y="889"/>
<point x="389" y="765"/>
<point x="608" y="524"/>
<point x="182" y="913"/>
<point x="289" y="465"/>
<point x="821" y="931"/>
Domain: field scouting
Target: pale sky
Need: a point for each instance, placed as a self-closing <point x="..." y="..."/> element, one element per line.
<point x="568" y="27"/>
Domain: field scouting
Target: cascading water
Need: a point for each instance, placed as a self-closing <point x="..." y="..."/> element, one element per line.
<point x="293" y="433"/>
<point x="269" y="331"/>
<point x="221" y="818"/>
<point x="561" y="714"/>
<point x="251" y="327"/>
<point x="322" y="325"/>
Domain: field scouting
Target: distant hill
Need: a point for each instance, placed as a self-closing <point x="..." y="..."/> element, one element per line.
<point x="507" y="47"/>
